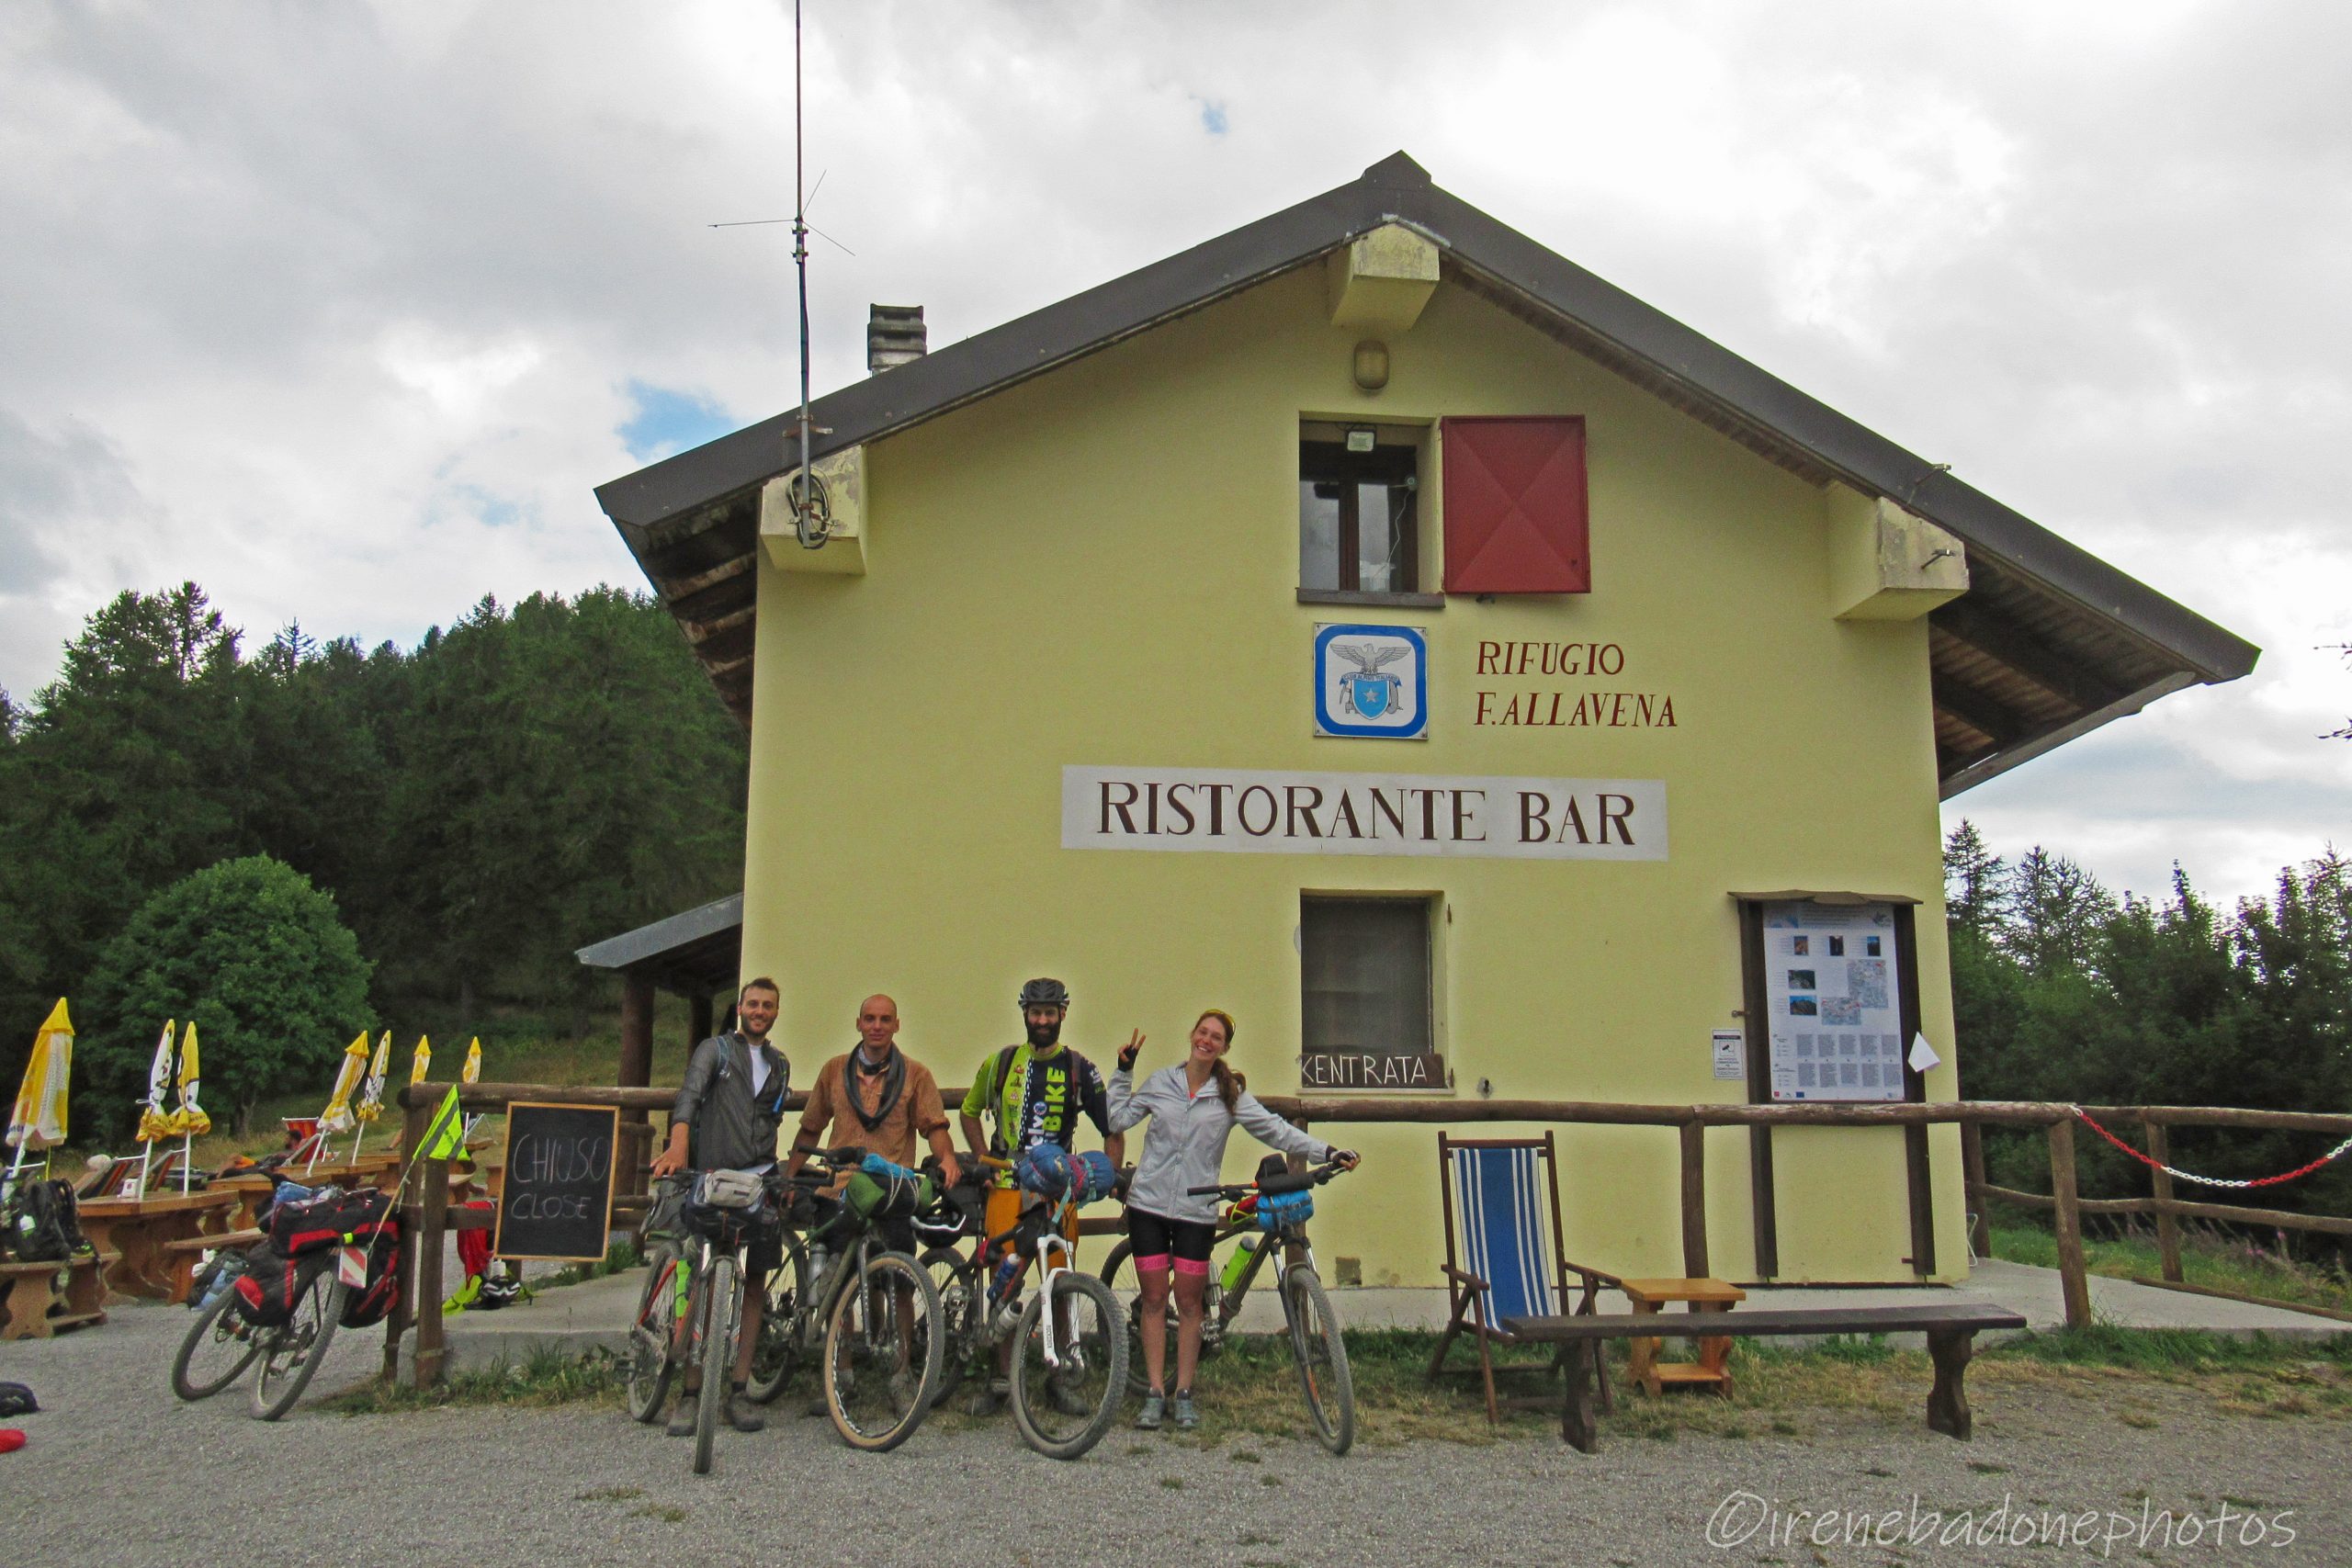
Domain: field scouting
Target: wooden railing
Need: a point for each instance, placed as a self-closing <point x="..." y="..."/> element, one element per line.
<point x="426" y="1196"/>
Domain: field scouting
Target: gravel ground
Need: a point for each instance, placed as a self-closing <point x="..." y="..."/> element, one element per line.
<point x="117" y="1472"/>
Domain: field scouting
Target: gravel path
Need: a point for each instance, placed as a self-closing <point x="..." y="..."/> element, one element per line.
<point x="119" y="1472"/>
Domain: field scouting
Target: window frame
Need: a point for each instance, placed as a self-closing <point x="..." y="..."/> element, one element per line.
<point x="1323" y="459"/>
<point x="1429" y="906"/>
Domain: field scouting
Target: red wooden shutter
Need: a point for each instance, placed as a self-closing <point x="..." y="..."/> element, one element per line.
<point x="1515" y="508"/>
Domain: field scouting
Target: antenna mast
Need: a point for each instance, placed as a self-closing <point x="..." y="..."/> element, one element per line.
<point x="811" y="513"/>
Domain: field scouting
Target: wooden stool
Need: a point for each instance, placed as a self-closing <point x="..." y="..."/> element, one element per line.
<point x="1710" y="1369"/>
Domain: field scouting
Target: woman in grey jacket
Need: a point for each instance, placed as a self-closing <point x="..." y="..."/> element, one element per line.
<point x="1192" y="1109"/>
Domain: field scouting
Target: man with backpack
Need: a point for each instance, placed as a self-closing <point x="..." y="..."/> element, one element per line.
<point x="1035" y="1092"/>
<point x="877" y="1099"/>
<point x="725" y="1118"/>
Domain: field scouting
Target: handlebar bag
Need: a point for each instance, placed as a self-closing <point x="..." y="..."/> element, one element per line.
<point x="665" y="1218"/>
<point x="1093" y="1176"/>
<point x="728" y="1190"/>
<point x="1045" y="1169"/>
<point x="895" y="1195"/>
<point x="1276" y="1209"/>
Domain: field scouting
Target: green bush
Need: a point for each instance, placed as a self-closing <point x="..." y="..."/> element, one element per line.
<point x="258" y="957"/>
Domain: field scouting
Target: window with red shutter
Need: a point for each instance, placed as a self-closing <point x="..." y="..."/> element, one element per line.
<point x="1516" y="518"/>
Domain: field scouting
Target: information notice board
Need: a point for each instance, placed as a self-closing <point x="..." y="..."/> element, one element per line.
<point x="1834" y="1001"/>
<point x="557" y="1200"/>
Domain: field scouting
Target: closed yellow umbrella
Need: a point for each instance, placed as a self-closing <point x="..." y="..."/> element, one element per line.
<point x="189" y="1120"/>
<point x="154" y="1121"/>
<point x="424" y="1061"/>
<point x="38" y="1119"/>
<point x="473" y="1062"/>
<point x="371" y="1097"/>
<point x="337" y="1117"/>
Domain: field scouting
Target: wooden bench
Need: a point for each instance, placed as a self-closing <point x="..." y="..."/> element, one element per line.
<point x="33" y="1306"/>
<point x="1952" y="1331"/>
<point x="184" y="1255"/>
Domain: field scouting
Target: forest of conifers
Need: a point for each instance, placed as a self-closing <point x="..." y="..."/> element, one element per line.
<point x="524" y="782"/>
<point x="537" y="777"/>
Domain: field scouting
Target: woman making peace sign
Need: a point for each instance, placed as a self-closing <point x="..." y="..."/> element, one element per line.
<point x="1192" y="1109"/>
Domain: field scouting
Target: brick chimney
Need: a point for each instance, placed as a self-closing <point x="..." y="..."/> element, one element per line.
<point x="894" y="334"/>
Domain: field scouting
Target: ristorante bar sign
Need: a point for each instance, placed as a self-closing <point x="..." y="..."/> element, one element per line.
<point x="1234" y="812"/>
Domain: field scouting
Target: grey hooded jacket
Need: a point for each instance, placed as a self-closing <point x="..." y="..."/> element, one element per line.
<point x="1185" y="1147"/>
<point x="732" y="1126"/>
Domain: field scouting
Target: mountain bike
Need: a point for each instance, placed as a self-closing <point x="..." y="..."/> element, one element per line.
<point x="1247" y="1238"/>
<point x="1068" y="1363"/>
<point x="871" y="1313"/>
<point x="221" y="1344"/>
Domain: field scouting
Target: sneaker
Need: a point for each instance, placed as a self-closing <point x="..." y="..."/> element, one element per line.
<point x="989" y="1400"/>
<point x="744" y="1415"/>
<point x="1186" y="1417"/>
<point x="1155" y="1406"/>
<point x="1066" y="1399"/>
<point x="681" y="1416"/>
<point x="904" y="1386"/>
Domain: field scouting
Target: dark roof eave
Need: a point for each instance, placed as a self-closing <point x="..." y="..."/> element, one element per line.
<point x="1398" y="190"/>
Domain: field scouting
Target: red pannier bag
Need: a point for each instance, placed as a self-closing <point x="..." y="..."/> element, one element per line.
<point x="332" y="1217"/>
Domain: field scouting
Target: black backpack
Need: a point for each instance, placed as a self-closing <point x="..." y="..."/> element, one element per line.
<point x="369" y="1302"/>
<point x="43" y="1224"/>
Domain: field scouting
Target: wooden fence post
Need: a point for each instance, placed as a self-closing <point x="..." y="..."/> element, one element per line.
<point x="1694" y="1201"/>
<point x="2167" y="1225"/>
<point x="413" y="1123"/>
<point x="1980" y="1221"/>
<point x="431" y="1348"/>
<point x="2074" y="1274"/>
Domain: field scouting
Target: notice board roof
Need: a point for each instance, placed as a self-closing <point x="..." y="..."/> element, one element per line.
<point x="2048" y="642"/>
<point x="695" y="952"/>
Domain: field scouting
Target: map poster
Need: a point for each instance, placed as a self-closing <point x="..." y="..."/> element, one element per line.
<point x="1833" y="1002"/>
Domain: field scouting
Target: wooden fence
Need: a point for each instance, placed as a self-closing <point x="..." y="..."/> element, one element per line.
<point x="425" y="1198"/>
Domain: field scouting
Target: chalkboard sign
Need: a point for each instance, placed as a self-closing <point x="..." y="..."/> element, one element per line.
<point x="557" y="1200"/>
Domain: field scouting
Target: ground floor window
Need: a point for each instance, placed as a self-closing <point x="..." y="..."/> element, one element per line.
<point x="1365" y="989"/>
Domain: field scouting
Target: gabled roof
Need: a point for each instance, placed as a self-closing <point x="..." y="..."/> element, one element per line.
<point x="2048" y="643"/>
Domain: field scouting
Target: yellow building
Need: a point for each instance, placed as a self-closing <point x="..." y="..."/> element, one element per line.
<point x="1630" y="635"/>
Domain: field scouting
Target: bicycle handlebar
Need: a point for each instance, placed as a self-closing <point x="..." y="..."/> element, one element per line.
<point x="1288" y="1181"/>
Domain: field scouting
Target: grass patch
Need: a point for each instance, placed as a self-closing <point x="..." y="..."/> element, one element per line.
<point x="660" y="1511"/>
<point x="1250" y="1390"/>
<point x="549" y="1377"/>
<point x="609" y="1495"/>
<point x="622" y="1257"/>
<point x="2223" y="1259"/>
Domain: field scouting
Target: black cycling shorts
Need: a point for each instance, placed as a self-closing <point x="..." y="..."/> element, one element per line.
<point x="1155" y="1236"/>
<point x="764" y="1256"/>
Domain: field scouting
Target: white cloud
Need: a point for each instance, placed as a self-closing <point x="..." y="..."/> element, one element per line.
<point x="336" y="309"/>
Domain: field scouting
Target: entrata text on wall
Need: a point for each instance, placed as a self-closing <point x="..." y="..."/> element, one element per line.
<point x="1234" y="812"/>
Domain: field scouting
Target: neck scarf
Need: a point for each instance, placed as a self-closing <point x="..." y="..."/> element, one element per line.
<point x="893" y="1074"/>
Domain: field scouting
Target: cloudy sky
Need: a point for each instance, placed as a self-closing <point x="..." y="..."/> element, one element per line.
<point x="343" y="309"/>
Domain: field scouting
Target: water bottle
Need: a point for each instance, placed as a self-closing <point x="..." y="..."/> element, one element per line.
<point x="1229" y="1277"/>
<point x="817" y="1260"/>
<point x="1006" y="1272"/>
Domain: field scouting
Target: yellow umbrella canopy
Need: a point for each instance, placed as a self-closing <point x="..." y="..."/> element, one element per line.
<point x="189" y="1120"/>
<point x="38" y="1119"/>
<point x="371" y="1097"/>
<point x="422" y="1063"/>
<point x="154" y="1121"/>
<point x="473" y="1062"/>
<point x="337" y="1117"/>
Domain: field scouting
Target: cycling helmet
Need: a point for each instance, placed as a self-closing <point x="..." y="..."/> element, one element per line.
<point x="1043" y="993"/>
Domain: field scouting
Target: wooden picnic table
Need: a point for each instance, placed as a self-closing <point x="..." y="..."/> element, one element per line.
<point x="1952" y="1329"/>
<point x="135" y="1229"/>
<point x="38" y="1300"/>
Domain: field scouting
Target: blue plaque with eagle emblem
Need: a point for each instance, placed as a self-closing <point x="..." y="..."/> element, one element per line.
<point x="1371" y="682"/>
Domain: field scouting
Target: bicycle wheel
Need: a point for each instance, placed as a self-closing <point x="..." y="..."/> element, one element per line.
<point x="1322" y="1358"/>
<point x="722" y="1316"/>
<point x="959" y="1282"/>
<point x="218" y="1347"/>
<point x="292" y="1353"/>
<point x="777" y="1355"/>
<point x="883" y="1349"/>
<point x="653" y="1334"/>
<point x="1063" y="1409"/>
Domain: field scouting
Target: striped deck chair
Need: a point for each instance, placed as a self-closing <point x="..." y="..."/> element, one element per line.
<point x="1503" y="1255"/>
